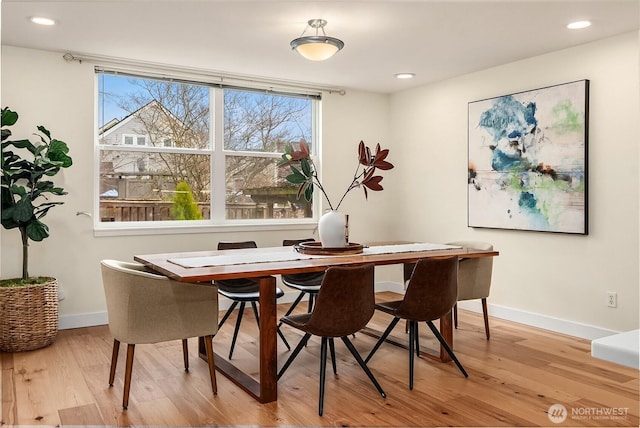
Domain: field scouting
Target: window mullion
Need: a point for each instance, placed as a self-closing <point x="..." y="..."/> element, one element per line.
<point x="316" y="138"/>
<point x="218" y="181"/>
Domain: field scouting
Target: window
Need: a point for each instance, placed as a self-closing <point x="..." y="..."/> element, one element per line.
<point x="160" y="149"/>
<point x="140" y="140"/>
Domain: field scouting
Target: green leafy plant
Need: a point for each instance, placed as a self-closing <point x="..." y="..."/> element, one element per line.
<point x="304" y="172"/>
<point x="25" y="187"/>
<point x="184" y="205"/>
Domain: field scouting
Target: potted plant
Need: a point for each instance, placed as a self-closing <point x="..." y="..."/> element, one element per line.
<point x="29" y="305"/>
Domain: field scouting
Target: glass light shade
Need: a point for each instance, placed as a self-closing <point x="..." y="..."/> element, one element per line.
<point x="40" y="20"/>
<point x="578" y="25"/>
<point x="405" y="75"/>
<point x="317" y="48"/>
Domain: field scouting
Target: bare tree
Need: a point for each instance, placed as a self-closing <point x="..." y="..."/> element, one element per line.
<point x="260" y="123"/>
<point x="177" y="115"/>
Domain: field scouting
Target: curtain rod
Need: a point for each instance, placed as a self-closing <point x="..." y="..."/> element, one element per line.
<point x="209" y="75"/>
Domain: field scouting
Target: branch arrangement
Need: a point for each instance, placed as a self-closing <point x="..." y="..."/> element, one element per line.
<point x="304" y="172"/>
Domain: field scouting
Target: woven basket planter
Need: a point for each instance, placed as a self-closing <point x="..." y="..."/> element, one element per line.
<point x="28" y="316"/>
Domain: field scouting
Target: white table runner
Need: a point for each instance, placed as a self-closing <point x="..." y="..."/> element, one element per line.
<point x="271" y="255"/>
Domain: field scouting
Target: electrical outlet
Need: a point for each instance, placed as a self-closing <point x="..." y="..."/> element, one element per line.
<point x="612" y="299"/>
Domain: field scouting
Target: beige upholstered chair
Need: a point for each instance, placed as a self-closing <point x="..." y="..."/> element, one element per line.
<point x="145" y="307"/>
<point x="474" y="279"/>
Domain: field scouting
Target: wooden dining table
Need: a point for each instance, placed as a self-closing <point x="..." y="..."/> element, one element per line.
<point x="262" y="265"/>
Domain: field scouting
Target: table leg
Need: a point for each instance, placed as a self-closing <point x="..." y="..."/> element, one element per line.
<point x="268" y="341"/>
<point x="266" y="389"/>
<point x="446" y="330"/>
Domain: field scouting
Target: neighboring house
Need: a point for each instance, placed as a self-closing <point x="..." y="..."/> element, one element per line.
<point x="138" y="175"/>
<point x="150" y="125"/>
<point x="142" y="173"/>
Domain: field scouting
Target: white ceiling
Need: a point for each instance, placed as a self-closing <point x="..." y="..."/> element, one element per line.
<point x="434" y="39"/>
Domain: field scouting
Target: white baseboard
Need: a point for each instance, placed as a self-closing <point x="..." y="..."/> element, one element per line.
<point x="66" y="322"/>
<point x="396" y="287"/>
<point x="546" y="322"/>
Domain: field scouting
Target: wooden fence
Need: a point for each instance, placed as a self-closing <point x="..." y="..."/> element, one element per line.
<point x="130" y="210"/>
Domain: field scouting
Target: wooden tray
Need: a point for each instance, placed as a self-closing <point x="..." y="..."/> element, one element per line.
<point x="316" y="248"/>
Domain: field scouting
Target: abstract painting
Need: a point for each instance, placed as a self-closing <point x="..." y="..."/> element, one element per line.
<point x="528" y="160"/>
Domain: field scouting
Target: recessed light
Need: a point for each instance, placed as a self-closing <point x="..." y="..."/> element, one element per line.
<point x="578" y="25"/>
<point x="404" y="75"/>
<point x="40" y="20"/>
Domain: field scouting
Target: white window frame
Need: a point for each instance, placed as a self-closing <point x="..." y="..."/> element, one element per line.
<point x="218" y="154"/>
<point x="134" y="138"/>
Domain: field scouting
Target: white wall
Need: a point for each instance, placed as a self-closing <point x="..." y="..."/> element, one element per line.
<point x="562" y="277"/>
<point x="347" y="121"/>
<point x="550" y="276"/>
<point x="46" y="90"/>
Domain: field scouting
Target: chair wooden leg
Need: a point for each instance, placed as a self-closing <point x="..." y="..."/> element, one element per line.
<point x="323" y="370"/>
<point x="382" y="338"/>
<point x="486" y="317"/>
<point x="185" y="354"/>
<point x="208" y="343"/>
<point x="445" y="345"/>
<point x="114" y="361"/>
<point x="127" y="375"/>
<point x="455" y="315"/>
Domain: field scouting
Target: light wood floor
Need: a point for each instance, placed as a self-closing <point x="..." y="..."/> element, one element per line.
<point x="513" y="380"/>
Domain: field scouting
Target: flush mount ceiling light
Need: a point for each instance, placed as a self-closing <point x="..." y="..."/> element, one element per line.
<point x="317" y="47"/>
<point x="578" y="25"/>
<point x="40" y="20"/>
<point x="404" y="75"/>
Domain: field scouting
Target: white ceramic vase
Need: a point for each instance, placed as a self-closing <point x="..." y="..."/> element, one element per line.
<point x="333" y="228"/>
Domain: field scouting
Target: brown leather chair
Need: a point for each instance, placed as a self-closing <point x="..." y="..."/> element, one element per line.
<point x="306" y="283"/>
<point x="145" y="307"/>
<point x="242" y="291"/>
<point x="474" y="279"/>
<point x="344" y="305"/>
<point x="431" y="294"/>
